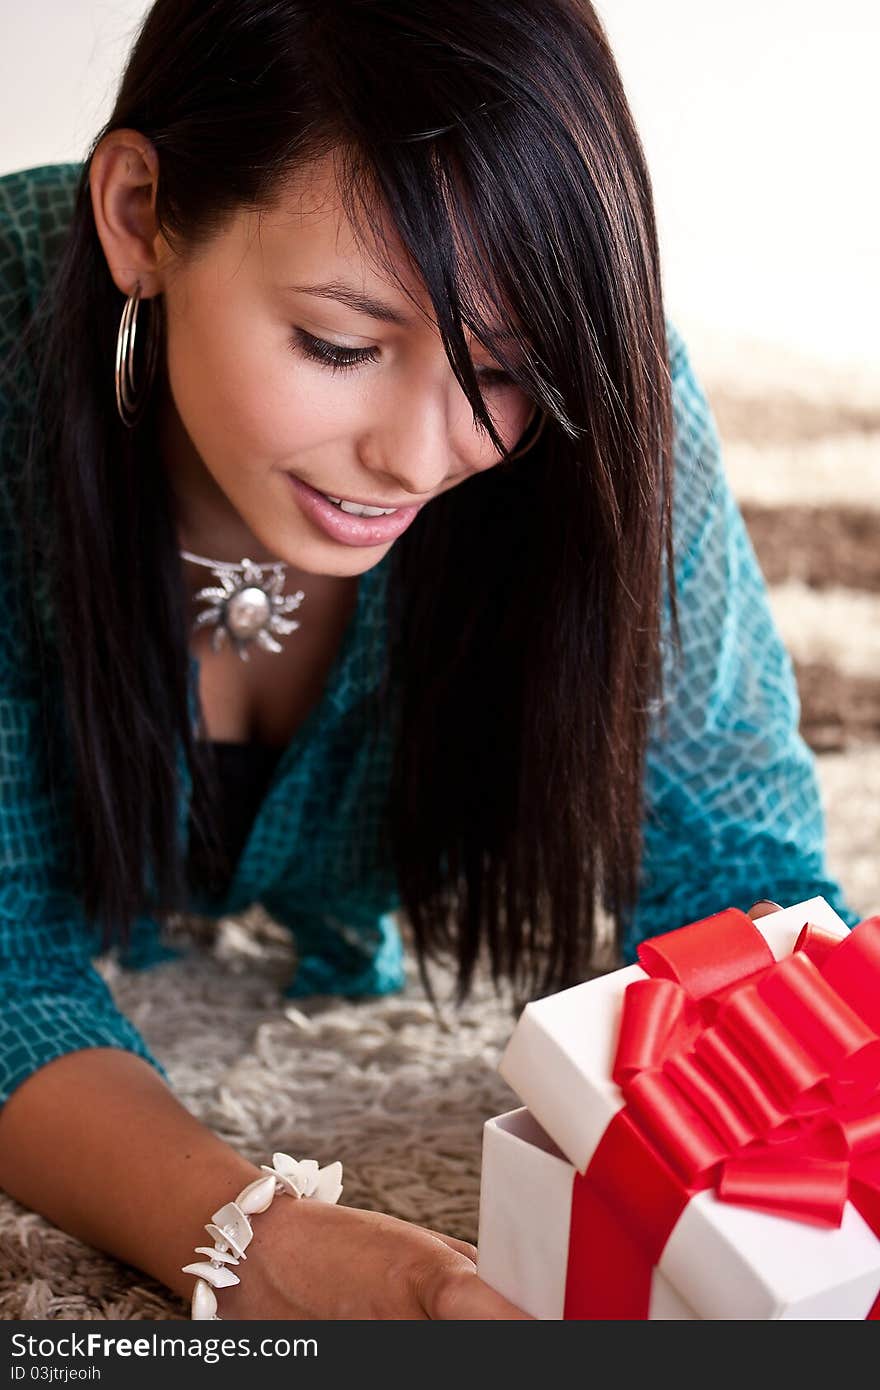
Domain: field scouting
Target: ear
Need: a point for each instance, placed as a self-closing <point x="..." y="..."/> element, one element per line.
<point x="123" y="178"/>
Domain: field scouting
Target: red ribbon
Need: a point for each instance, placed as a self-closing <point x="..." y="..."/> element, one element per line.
<point x="757" y="1078"/>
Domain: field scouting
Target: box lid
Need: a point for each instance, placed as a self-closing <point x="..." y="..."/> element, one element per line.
<point x="563" y="1045"/>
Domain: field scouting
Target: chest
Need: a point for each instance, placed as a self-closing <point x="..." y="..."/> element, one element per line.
<point x="268" y="697"/>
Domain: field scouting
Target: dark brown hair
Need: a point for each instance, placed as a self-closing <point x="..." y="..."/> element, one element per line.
<point x="524" y="605"/>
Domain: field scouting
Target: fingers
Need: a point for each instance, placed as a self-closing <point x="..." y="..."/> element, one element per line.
<point x="763" y="908"/>
<point x="456" y="1293"/>
<point x="461" y="1247"/>
<point x="449" y="1290"/>
<point x="459" y="1295"/>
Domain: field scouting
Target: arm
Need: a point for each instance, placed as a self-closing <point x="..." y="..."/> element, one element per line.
<point x="97" y="1143"/>
<point x="733" y="809"/>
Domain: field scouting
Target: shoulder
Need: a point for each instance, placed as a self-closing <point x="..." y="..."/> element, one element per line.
<point x="35" y="211"/>
<point x="36" y="206"/>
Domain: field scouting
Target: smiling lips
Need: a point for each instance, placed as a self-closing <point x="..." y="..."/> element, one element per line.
<point x="352" y="527"/>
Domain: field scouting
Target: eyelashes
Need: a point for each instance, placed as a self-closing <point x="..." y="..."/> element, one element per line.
<point x="342" y="359"/>
<point x="338" y="359"/>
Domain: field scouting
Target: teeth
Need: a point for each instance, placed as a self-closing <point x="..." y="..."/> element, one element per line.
<point x="356" y="509"/>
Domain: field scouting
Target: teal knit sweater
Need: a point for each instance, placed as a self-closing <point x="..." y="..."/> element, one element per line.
<point x="733" y="811"/>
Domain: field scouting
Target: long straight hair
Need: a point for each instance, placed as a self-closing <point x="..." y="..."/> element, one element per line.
<point x="524" y="607"/>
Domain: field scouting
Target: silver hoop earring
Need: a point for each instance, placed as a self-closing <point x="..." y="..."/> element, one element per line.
<point x="524" y="448"/>
<point x="130" y="401"/>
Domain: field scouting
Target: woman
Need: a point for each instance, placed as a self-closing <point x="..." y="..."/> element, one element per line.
<point x="403" y="258"/>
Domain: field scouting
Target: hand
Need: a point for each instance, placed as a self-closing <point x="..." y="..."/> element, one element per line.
<point x="762" y="908"/>
<point x="311" y="1259"/>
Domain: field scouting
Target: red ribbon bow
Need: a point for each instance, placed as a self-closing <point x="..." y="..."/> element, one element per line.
<point x="757" y="1078"/>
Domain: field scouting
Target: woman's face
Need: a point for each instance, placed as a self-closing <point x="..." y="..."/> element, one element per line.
<point x="273" y="379"/>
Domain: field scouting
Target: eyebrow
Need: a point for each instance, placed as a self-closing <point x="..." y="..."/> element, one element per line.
<point x="367" y="304"/>
<point x="357" y="300"/>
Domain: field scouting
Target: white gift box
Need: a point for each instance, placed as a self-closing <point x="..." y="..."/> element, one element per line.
<point x="721" y="1260"/>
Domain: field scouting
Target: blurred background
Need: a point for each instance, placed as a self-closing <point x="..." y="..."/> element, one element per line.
<point x="759" y="122"/>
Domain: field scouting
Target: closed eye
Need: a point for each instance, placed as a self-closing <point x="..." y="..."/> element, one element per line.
<point x="331" y="355"/>
<point x="340" y="359"/>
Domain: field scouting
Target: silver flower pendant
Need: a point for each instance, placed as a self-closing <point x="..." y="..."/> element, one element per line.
<point x="247" y="608"/>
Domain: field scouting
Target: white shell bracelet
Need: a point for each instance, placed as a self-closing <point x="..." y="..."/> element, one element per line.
<point x="231" y="1231"/>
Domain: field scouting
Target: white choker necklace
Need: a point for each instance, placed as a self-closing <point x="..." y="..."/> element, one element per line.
<point x="246" y="608"/>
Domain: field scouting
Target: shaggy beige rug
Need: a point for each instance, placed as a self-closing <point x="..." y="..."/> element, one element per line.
<point x="398" y="1093"/>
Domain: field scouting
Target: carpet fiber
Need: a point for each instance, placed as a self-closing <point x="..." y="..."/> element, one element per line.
<point x="398" y="1092"/>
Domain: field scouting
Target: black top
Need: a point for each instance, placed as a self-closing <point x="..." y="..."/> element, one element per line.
<point x="244" y="771"/>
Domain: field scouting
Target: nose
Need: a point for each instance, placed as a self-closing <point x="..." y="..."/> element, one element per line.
<point x="425" y="440"/>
